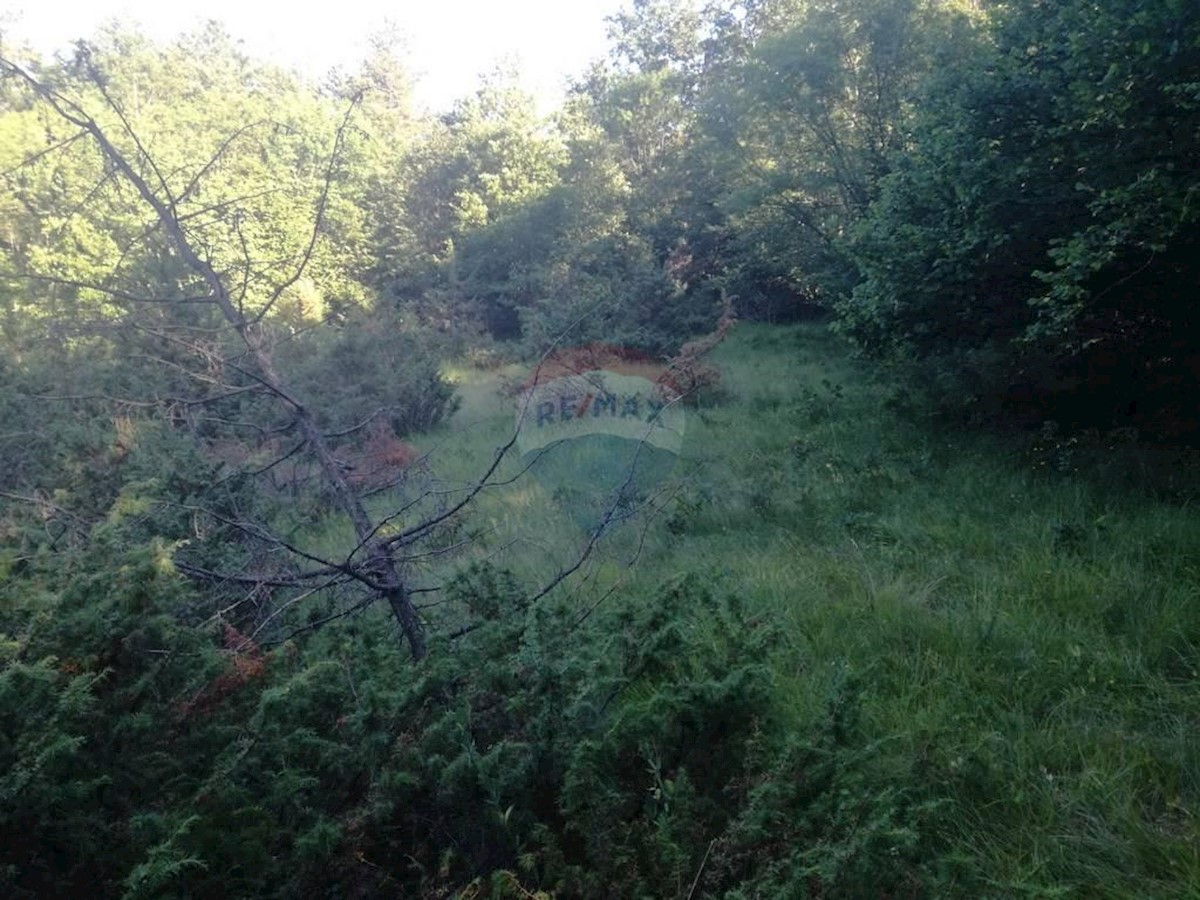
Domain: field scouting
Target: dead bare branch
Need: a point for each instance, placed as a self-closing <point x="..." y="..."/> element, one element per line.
<point x="46" y="151"/>
<point x="319" y="217"/>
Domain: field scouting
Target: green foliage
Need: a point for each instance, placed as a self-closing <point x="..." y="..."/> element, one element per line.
<point x="615" y="292"/>
<point x="795" y="132"/>
<point x="369" y="366"/>
<point x="245" y="149"/>
<point x="1043" y="216"/>
<point x="861" y="656"/>
<point x="829" y="820"/>
<point x="467" y="171"/>
<point x="98" y="649"/>
<point x="891" y="665"/>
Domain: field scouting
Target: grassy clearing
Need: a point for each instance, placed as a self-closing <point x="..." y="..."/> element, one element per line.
<point x="1023" y="642"/>
<point x="1020" y="645"/>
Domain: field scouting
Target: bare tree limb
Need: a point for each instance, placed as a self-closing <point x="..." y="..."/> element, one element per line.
<point x="319" y="218"/>
<point x="167" y="213"/>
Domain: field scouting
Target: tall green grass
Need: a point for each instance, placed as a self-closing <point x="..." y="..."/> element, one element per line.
<point x="1027" y="641"/>
<point x="1023" y="639"/>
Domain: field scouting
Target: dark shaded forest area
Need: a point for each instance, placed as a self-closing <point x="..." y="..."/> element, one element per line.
<point x="287" y="608"/>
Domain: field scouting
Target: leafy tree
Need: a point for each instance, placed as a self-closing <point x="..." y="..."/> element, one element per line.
<point x="467" y="171"/>
<point x="806" y="120"/>
<point x="1041" y="222"/>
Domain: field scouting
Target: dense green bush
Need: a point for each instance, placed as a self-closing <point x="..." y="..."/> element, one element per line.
<point x="1038" y="236"/>
<point x="370" y="365"/>
<point x="617" y="755"/>
<point x="614" y="291"/>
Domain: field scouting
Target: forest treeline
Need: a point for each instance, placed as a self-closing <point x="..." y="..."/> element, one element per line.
<point x="997" y="201"/>
<point x="1003" y="193"/>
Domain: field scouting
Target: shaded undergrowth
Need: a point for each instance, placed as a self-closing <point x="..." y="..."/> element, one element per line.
<point x="842" y="654"/>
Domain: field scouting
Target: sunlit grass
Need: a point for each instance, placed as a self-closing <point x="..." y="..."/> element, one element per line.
<point x="1025" y="644"/>
<point x="1030" y="639"/>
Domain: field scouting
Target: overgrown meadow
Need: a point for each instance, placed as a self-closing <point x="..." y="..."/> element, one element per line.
<point x="1004" y="636"/>
<point x="844" y="651"/>
<point x="289" y="609"/>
